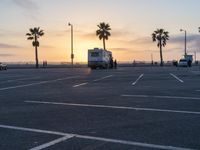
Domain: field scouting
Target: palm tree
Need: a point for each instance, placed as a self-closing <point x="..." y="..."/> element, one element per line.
<point x="161" y="36"/>
<point x="34" y="35"/>
<point x="103" y="32"/>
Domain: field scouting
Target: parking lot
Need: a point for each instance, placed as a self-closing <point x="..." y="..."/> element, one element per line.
<point x="141" y="108"/>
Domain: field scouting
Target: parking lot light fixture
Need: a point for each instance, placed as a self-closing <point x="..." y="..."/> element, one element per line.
<point x="185" y="40"/>
<point x="72" y="54"/>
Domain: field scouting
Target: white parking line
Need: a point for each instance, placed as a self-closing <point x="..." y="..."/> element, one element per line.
<point x="85" y="83"/>
<point x="124" y="142"/>
<point x="81" y="84"/>
<point x="102" y="78"/>
<point x="176" y="78"/>
<point x="116" y="107"/>
<point x="134" y="83"/>
<point x="43" y="146"/>
<point x="164" y="97"/>
<point x="21" y="79"/>
<point x="37" y="83"/>
<point x="34" y="130"/>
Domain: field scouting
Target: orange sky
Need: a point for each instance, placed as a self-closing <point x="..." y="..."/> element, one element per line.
<point x="132" y="23"/>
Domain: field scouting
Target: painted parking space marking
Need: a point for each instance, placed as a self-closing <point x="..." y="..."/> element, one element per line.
<point x="134" y="83"/>
<point x="81" y="84"/>
<point x="21" y="79"/>
<point x="36" y="83"/>
<point x="54" y="142"/>
<point x="103" y="78"/>
<point x="34" y="130"/>
<point x="177" y="78"/>
<point x="116" y="141"/>
<point x="85" y="83"/>
<point x="162" y="97"/>
<point x="116" y="107"/>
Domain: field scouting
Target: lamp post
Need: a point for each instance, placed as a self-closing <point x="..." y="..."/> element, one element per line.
<point x="72" y="54"/>
<point x="195" y="56"/>
<point x="151" y="59"/>
<point x="185" y="40"/>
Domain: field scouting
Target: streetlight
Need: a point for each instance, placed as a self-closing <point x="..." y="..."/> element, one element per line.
<point x="151" y="59"/>
<point x="185" y="40"/>
<point x="72" y="54"/>
<point x="195" y="56"/>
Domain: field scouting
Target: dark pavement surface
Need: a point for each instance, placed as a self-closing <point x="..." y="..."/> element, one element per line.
<point x="168" y="116"/>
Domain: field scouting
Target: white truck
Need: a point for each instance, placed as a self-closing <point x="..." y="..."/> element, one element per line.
<point x="189" y="57"/>
<point x="186" y="61"/>
<point x="99" y="58"/>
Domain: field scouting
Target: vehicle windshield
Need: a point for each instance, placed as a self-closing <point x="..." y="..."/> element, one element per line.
<point x="95" y="54"/>
<point x="183" y="60"/>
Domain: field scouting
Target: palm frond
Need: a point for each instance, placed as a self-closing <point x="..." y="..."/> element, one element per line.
<point x="28" y="34"/>
<point x="30" y="38"/>
<point x="103" y="31"/>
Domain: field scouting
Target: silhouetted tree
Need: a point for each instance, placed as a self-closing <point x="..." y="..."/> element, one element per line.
<point x="199" y="29"/>
<point x="161" y="36"/>
<point x="34" y="35"/>
<point x="103" y="32"/>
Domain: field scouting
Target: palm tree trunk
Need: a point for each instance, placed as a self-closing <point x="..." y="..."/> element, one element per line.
<point x="36" y="57"/>
<point x="104" y="44"/>
<point x="36" y="53"/>
<point x="161" y="56"/>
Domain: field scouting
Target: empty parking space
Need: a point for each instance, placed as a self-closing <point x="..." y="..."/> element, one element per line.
<point x="124" y="108"/>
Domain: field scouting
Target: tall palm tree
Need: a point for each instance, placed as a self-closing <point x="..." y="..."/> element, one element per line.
<point x="161" y="36"/>
<point x="103" y="32"/>
<point x="34" y="34"/>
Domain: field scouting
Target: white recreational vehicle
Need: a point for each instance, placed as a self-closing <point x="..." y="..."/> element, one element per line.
<point x="99" y="58"/>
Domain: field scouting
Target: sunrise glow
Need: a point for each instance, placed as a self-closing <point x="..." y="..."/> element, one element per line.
<point x="132" y="23"/>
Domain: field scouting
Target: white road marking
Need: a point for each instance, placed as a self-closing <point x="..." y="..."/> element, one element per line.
<point x="134" y="83"/>
<point x="21" y="79"/>
<point x="81" y="84"/>
<point x="102" y="78"/>
<point x="85" y="83"/>
<point x="124" y="142"/>
<point x="176" y="78"/>
<point x="164" y="97"/>
<point x="34" y="130"/>
<point x="43" y="146"/>
<point x="37" y="83"/>
<point x="132" y="143"/>
<point x="116" y="107"/>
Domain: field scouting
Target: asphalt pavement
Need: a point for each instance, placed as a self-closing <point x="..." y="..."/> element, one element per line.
<point x="133" y="108"/>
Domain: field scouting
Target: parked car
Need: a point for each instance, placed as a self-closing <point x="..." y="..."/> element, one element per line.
<point x="3" y="66"/>
<point x="183" y="63"/>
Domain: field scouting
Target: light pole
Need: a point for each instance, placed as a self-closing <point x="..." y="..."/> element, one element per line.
<point x="195" y="56"/>
<point x="185" y="40"/>
<point x="151" y="59"/>
<point x="72" y="54"/>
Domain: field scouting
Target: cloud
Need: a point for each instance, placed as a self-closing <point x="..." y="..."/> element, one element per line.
<point x="26" y="4"/>
<point x="132" y="50"/>
<point x="121" y="33"/>
<point x="117" y="49"/>
<point x="177" y="39"/>
<point x="48" y="47"/>
<point x="88" y="36"/>
<point x="30" y="8"/>
<point x="6" y="55"/>
<point x="193" y="42"/>
<point x="8" y="46"/>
